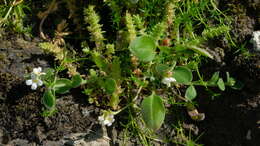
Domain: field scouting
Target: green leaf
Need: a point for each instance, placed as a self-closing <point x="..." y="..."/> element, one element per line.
<point x="191" y="93"/>
<point x="139" y="82"/>
<point x="201" y="51"/>
<point x="221" y="84"/>
<point x="48" y="99"/>
<point x="182" y="75"/>
<point x="114" y="101"/>
<point x="76" y="81"/>
<point x="143" y="48"/>
<point x="62" y="86"/>
<point x="110" y="85"/>
<point x="161" y="69"/>
<point x="100" y="61"/>
<point x="214" y="78"/>
<point x="230" y="81"/>
<point x="116" y="69"/>
<point x="165" y="49"/>
<point x="153" y="111"/>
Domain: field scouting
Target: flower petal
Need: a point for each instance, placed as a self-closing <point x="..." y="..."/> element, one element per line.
<point x="165" y="81"/>
<point x="109" y="124"/>
<point x="39" y="82"/>
<point x="34" y="86"/>
<point x="37" y="71"/>
<point x="106" y="122"/>
<point x="172" y="79"/>
<point x="28" y="82"/>
<point x="101" y="118"/>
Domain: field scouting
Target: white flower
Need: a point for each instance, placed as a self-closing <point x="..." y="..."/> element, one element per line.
<point x="38" y="71"/>
<point x="35" y="80"/>
<point x="168" y="80"/>
<point x="34" y="83"/>
<point x="107" y="118"/>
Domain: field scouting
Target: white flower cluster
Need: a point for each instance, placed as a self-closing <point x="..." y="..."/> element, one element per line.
<point x="35" y="80"/>
<point x="168" y="80"/>
<point x="107" y="118"/>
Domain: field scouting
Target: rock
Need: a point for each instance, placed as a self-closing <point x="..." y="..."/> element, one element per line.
<point x="256" y="40"/>
<point x="1" y="135"/>
<point x="52" y="143"/>
<point x="20" y="142"/>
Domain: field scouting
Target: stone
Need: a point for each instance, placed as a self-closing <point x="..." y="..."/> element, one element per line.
<point x="256" y="40"/>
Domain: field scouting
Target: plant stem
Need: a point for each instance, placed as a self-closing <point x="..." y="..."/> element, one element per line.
<point x="8" y="12"/>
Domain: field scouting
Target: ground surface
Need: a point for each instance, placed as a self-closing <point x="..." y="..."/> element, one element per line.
<point x="234" y="118"/>
<point x="231" y="119"/>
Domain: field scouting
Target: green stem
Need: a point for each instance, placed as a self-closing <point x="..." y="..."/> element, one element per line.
<point x="8" y="12"/>
<point x="201" y="79"/>
<point x="117" y="112"/>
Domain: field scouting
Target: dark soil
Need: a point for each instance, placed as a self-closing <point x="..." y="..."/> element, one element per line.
<point x="21" y="108"/>
<point x="233" y="119"/>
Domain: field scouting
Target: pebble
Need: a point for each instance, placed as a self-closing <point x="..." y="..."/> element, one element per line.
<point x="248" y="135"/>
<point x="256" y="40"/>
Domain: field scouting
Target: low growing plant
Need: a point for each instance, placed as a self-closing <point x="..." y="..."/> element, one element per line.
<point x="143" y="63"/>
<point x="53" y="86"/>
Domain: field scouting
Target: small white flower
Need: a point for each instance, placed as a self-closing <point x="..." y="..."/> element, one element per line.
<point x="38" y="71"/>
<point x="168" y="80"/>
<point x="34" y="83"/>
<point x="35" y="80"/>
<point x="107" y="118"/>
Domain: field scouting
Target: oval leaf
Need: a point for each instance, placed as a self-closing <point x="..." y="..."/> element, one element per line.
<point x="214" y="78"/>
<point x="110" y="85"/>
<point x="76" y="81"/>
<point x="221" y="84"/>
<point x="143" y="48"/>
<point x="182" y="75"/>
<point x="62" y="86"/>
<point x="191" y="93"/>
<point x="153" y="111"/>
<point x="48" y="99"/>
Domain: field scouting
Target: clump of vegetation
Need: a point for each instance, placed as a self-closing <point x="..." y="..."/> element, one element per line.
<point x="13" y="15"/>
<point x="150" y="59"/>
